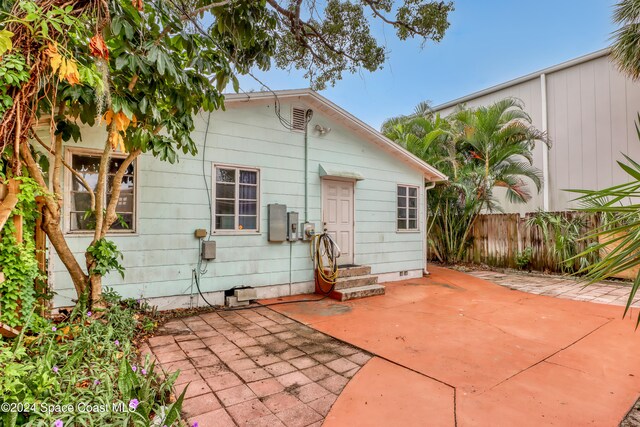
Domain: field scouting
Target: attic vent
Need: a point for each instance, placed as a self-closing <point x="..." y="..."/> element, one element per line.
<point x="298" y="120"/>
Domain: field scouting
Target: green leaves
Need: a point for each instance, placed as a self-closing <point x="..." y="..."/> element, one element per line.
<point x="89" y="362"/>
<point x="106" y="258"/>
<point x="5" y="41"/>
<point x="13" y="72"/>
<point x="480" y="150"/>
<point x="18" y="260"/>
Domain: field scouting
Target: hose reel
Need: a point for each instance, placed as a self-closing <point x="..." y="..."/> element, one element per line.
<point x="325" y="253"/>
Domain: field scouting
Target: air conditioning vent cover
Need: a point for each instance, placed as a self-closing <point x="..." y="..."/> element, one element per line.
<point x="298" y="119"/>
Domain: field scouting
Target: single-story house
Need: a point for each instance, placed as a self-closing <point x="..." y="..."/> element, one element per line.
<point x="588" y="109"/>
<point x="267" y="149"/>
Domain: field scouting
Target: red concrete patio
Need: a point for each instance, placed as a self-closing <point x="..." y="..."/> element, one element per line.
<point x="453" y="349"/>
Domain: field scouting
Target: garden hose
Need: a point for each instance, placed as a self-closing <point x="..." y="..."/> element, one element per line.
<point x="323" y="247"/>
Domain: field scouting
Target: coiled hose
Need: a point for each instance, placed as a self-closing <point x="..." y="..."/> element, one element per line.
<point x="325" y="253"/>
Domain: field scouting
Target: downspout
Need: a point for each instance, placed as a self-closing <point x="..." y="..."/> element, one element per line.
<point x="428" y="187"/>
<point x="545" y="147"/>
<point x="308" y="115"/>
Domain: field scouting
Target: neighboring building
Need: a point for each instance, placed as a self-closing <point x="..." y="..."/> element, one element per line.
<point x="588" y="109"/>
<point x="365" y="189"/>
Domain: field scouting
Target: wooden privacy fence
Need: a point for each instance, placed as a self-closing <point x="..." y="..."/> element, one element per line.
<point x="497" y="239"/>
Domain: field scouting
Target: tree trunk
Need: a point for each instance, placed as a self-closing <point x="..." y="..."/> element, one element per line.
<point x="51" y="226"/>
<point x="107" y="219"/>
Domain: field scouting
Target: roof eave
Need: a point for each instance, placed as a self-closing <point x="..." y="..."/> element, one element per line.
<point x="429" y="172"/>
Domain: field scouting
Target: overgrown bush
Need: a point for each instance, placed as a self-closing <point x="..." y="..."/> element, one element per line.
<point x="18" y="260"/>
<point x="523" y="259"/>
<point x="85" y="372"/>
<point x="479" y="150"/>
<point x="564" y="240"/>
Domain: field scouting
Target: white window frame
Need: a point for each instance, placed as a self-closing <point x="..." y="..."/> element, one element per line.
<point x="237" y="168"/>
<point x="417" y="208"/>
<point x="68" y="185"/>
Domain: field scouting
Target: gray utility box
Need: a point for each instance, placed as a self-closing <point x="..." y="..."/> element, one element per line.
<point x="208" y="250"/>
<point x="293" y="233"/>
<point x="277" y="222"/>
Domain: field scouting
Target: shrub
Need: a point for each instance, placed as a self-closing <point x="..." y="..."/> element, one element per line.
<point x="85" y="361"/>
<point x="523" y="259"/>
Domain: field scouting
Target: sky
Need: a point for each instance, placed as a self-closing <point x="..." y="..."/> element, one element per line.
<point x="489" y="42"/>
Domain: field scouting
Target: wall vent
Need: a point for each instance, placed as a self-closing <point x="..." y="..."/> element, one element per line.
<point x="298" y="119"/>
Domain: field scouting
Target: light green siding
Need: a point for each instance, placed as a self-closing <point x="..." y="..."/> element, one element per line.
<point x="172" y="203"/>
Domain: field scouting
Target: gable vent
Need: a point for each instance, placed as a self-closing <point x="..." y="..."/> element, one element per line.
<point x="298" y="120"/>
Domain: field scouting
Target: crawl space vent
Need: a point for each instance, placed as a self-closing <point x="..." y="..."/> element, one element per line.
<point x="298" y="118"/>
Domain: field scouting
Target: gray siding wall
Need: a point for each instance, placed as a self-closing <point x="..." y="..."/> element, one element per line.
<point x="173" y="202"/>
<point x="591" y="109"/>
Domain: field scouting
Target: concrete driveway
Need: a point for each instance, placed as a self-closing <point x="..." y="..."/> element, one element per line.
<point x="453" y="349"/>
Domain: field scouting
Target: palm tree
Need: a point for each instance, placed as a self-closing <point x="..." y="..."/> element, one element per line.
<point x="422" y="110"/>
<point x="618" y="235"/>
<point x="478" y="149"/>
<point x="500" y="140"/>
<point x="626" y="46"/>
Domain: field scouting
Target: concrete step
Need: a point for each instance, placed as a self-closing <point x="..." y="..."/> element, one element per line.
<point x="359" y="292"/>
<point x="358" y="270"/>
<point x="355" y="282"/>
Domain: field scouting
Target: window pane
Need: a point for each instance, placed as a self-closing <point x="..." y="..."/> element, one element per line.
<point x="225" y="222"/>
<point x="402" y="224"/>
<point x="225" y="207"/>
<point x="413" y="192"/>
<point x="125" y="201"/>
<point x="402" y="202"/>
<point x="402" y="213"/>
<point x="413" y="213"/>
<point x="226" y="175"/>
<point x="88" y="166"/>
<point x="115" y="163"/>
<point x="225" y="191"/>
<point x="402" y="191"/>
<point x="78" y="221"/>
<point x="413" y="202"/>
<point x="126" y="184"/>
<point x="248" y="192"/>
<point x="80" y="202"/>
<point x="123" y="222"/>
<point x="413" y="224"/>
<point x="85" y="164"/>
<point x="248" y="177"/>
<point x="247" y="208"/>
<point x="247" y="223"/>
<point x="91" y="179"/>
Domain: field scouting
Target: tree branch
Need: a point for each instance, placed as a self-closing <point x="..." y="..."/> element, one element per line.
<point x="193" y="14"/>
<point x="414" y="30"/>
<point x="111" y="215"/>
<point x="101" y="185"/>
<point x="75" y="173"/>
<point x="57" y="161"/>
<point x="36" y="174"/>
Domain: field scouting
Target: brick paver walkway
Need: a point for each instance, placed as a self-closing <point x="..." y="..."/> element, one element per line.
<point x="254" y="367"/>
<point x="561" y="287"/>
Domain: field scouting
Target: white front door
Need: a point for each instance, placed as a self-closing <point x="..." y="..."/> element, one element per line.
<point x="337" y="215"/>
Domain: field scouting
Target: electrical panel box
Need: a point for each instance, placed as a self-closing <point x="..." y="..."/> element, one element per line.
<point x="293" y="232"/>
<point x="208" y="250"/>
<point x="308" y="230"/>
<point x="277" y="222"/>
